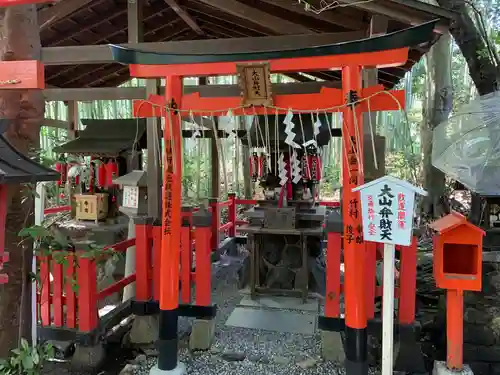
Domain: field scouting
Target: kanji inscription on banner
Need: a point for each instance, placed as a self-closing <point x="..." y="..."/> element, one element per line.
<point x="387" y="207"/>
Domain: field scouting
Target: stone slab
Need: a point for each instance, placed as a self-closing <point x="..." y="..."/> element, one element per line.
<point x="287" y="303"/>
<point x="272" y="320"/>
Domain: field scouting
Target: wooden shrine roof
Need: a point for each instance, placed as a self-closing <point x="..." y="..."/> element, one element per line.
<point x="92" y="22"/>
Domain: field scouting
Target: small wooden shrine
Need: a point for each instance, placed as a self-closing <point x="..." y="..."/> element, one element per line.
<point x="115" y="148"/>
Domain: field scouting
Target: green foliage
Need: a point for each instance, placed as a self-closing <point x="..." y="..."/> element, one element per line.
<point x="26" y="360"/>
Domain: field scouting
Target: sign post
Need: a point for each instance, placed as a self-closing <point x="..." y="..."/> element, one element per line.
<point x="387" y="206"/>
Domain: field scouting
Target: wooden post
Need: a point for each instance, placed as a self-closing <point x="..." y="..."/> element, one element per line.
<point x="388" y="309"/>
<point x="356" y="336"/>
<point x="215" y="241"/>
<point x="73" y="119"/>
<point x="186" y="255"/>
<point x="202" y="222"/>
<point x="408" y="283"/>
<point x="171" y="228"/>
<point x="454" y="328"/>
<point x="154" y="156"/>
<point x="232" y="214"/>
<point x="143" y="260"/>
<point x="87" y="294"/>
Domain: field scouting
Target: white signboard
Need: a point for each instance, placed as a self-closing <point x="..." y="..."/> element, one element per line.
<point x="387" y="206"/>
<point x="131" y="197"/>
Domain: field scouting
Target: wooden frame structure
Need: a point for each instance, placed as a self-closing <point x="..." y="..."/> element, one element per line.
<point x="391" y="50"/>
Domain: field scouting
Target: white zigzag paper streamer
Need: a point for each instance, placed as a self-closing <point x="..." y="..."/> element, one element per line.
<point x="196" y="131"/>
<point x="282" y="170"/>
<point x="228" y="126"/>
<point x="311" y="142"/>
<point x="290" y="135"/>
<point x="295" y="166"/>
<point x="316" y="127"/>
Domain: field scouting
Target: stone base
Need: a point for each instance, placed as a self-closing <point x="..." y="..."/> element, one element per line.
<point x="88" y="359"/>
<point x="332" y="347"/>
<point x="441" y="369"/>
<point x="144" y="330"/>
<point x="179" y="370"/>
<point x="202" y="334"/>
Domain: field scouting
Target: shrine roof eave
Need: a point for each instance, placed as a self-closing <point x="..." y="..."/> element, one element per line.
<point x="16" y="168"/>
<point x="409" y="37"/>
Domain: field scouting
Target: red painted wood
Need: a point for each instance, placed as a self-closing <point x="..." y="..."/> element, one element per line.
<point x="156" y="261"/>
<point x="203" y="271"/>
<point x="332" y="301"/>
<point x="44" y="287"/>
<point x="87" y="295"/>
<point x="57" y="293"/>
<point x="15" y="75"/>
<point x="370" y="272"/>
<point x="69" y="290"/>
<point x="186" y="264"/>
<point x="328" y="100"/>
<point x="381" y="59"/>
<point x="142" y="263"/>
<point x="408" y="283"/>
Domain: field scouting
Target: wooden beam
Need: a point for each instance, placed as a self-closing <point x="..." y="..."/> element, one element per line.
<point x="28" y="74"/>
<point x="73" y="119"/>
<point x="250" y="13"/>
<point x="49" y="15"/>
<point x="403" y="13"/>
<point x="134" y="21"/>
<point x="130" y="93"/>
<point x="333" y="18"/>
<point x="59" y="124"/>
<point x="184" y="15"/>
<point x="101" y="54"/>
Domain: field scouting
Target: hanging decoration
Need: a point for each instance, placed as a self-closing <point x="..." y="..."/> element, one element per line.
<point x="62" y="168"/>
<point x="296" y="168"/>
<point x="196" y="129"/>
<point x="228" y="125"/>
<point x="254" y="166"/>
<point x="111" y="172"/>
<point x="101" y="173"/>
<point x="290" y="135"/>
<point x="314" y="162"/>
<point x="264" y="166"/>
<point x="282" y="170"/>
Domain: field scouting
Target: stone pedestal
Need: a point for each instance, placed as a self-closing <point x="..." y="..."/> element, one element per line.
<point x="144" y="330"/>
<point x="332" y="347"/>
<point x="202" y="334"/>
<point x="179" y="370"/>
<point x="441" y="369"/>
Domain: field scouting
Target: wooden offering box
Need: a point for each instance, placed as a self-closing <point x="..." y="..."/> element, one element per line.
<point x="458" y="249"/>
<point x="91" y="206"/>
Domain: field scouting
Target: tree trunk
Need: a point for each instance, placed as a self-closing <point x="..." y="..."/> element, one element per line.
<point x="19" y="40"/>
<point x="482" y="70"/>
<point x="437" y="107"/>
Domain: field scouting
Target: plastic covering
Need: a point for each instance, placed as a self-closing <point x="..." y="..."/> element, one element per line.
<point x="467" y="146"/>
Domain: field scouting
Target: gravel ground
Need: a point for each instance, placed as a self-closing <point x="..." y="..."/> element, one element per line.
<point x="238" y="351"/>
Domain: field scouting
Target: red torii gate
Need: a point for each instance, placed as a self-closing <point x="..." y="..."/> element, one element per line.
<point x="385" y="51"/>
